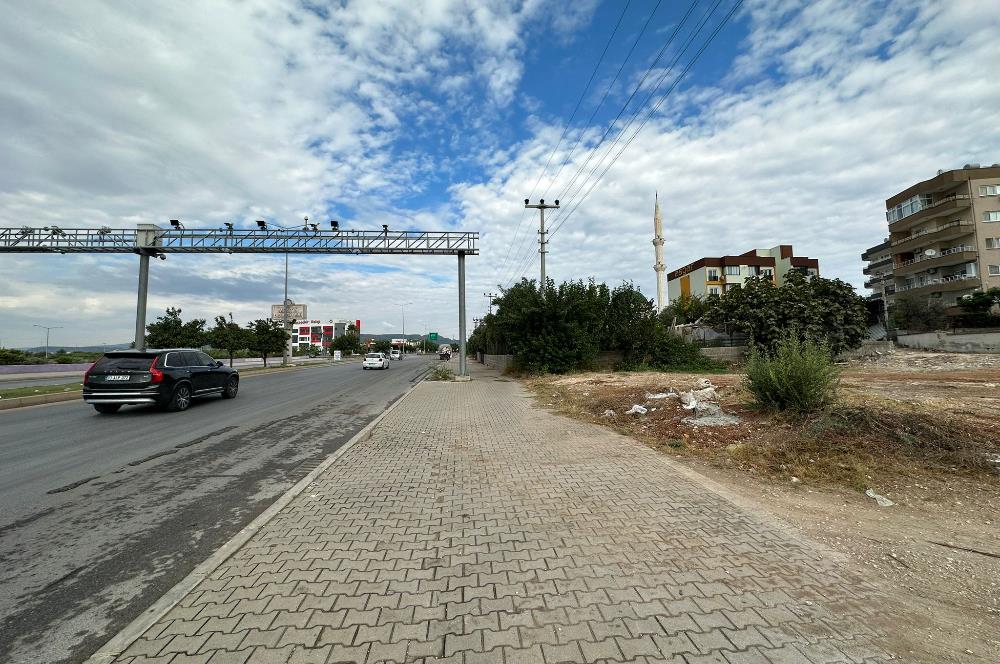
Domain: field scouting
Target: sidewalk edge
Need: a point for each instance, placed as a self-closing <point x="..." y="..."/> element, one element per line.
<point x="115" y="646"/>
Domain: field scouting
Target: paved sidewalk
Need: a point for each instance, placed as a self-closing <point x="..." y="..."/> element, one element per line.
<point x="473" y="527"/>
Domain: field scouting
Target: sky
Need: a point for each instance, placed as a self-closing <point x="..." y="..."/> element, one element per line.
<point x="793" y="125"/>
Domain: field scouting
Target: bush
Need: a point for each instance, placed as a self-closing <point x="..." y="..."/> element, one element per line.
<point x="441" y="372"/>
<point x="799" y="376"/>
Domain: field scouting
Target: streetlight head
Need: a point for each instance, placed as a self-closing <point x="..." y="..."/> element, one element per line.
<point x="385" y="228"/>
<point x="557" y="201"/>
<point x="262" y="224"/>
<point x="526" y="201"/>
<point x="541" y="201"/>
<point x="228" y="225"/>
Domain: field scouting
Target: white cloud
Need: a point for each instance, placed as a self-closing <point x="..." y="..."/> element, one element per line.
<point x="830" y="109"/>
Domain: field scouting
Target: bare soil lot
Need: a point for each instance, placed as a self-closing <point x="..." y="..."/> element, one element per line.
<point x="922" y="429"/>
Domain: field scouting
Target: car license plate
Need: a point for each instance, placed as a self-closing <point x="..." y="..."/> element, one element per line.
<point x="117" y="377"/>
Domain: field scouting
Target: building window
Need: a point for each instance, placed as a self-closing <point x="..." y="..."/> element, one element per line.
<point x="713" y="275"/>
<point x="735" y="269"/>
<point x="991" y="216"/>
<point x="768" y="272"/>
<point x="713" y="290"/>
<point x="989" y="190"/>
<point x="994" y="270"/>
<point x="993" y="243"/>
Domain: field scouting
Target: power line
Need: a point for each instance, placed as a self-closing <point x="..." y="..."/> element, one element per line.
<point x="566" y="196"/>
<point x="569" y="123"/>
<point x="607" y="91"/>
<point x="656" y="86"/>
<point x="652" y="111"/>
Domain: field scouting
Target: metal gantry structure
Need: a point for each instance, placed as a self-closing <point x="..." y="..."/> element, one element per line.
<point x="149" y="240"/>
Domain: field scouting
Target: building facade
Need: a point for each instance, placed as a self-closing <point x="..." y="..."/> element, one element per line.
<point x="319" y="333"/>
<point x="944" y="236"/>
<point x="878" y="271"/>
<point x="716" y="275"/>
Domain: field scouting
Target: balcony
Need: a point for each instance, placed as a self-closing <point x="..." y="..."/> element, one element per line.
<point x="877" y="264"/>
<point x="947" y="205"/>
<point x="877" y="281"/>
<point x="952" y="256"/>
<point x="949" y="231"/>
<point x="953" y="282"/>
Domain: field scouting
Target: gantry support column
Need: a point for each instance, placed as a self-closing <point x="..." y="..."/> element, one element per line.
<point x="462" y="369"/>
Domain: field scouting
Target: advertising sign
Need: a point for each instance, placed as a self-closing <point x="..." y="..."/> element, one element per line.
<point x="357" y="326"/>
<point x="397" y="342"/>
<point x="290" y="310"/>
<point x="336" y="356"/>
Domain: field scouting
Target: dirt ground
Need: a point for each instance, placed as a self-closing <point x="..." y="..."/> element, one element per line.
<point x="936" y="550"/>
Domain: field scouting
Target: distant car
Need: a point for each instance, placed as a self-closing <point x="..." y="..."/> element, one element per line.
<point x="395" y="354"/>
<point x="168" y="378"/>
<point x="375" y="361"/>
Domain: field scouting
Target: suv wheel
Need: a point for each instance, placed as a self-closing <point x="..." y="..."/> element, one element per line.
<point x="232" y="387"/>
<point x="180" y="399"/>
<point x="107" y="408"/>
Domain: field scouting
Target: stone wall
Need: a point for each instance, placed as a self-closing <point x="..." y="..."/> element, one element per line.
<point x="498" y="362"/>
<point x="734" y="354"/>
<point x="986" y="341"/>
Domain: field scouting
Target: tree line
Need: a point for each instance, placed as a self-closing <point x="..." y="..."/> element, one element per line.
<point x="262" y="338"/>
<point x="563" y="328"/>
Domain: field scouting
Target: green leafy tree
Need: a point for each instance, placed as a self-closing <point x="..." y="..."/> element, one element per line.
<point x="380" y="346"/>
<point x="918" y="314"/>
<point x="978" y="309"/>
<point x="686" y="309"/>
<point x="828" y="311"/>
<point x="228" y="336"/>
<point x="169" y="331"/>
<point x="266" y="337"/>
<point x="630" y="324"/>
<point x="346" y="343"/>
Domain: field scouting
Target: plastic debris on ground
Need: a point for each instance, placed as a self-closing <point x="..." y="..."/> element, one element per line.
<point x="659" y="395"/>
<point x="703" y="400"/>
<point x="608" y="413"/>
<point x="636" y="410"/>
<point x="881" y="500"/>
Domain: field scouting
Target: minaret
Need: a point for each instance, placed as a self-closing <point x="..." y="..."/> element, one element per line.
<point x="661" y="286"/>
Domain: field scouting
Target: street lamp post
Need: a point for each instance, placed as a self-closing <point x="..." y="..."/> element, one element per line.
<point x="47" y="328"/>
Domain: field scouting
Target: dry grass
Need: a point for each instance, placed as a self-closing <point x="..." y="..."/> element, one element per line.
<point x="858" y="441"/>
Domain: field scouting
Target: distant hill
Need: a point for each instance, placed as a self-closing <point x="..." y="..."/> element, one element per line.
<point x="77" y="349"/>
<point x="413" y="338"/>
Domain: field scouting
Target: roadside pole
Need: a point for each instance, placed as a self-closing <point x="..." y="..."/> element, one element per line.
<point x="461" y="314"/>
<point x="140" y="310"/>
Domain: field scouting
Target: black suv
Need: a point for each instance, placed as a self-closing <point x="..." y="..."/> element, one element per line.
<point x="168" y="378"/>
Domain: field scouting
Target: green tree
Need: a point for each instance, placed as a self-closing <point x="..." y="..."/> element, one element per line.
<point x="169" y="331"/>
<point x="918" y="314"/>
<point x="346" y="343"/>
<point x="630" y="324"/>
<point x="686" y="309"/>
<point x="823" y="310"/>
<point x="228" y="336"/>
<point x="977" y="309"/>
<point x="381" y="346"/>
<point x="266" y="337"/>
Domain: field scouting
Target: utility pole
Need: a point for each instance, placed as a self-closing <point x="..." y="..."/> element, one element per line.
<point x="47" y="328"/>
<point x="402" y="312"/>
<point x="491" y="297"/>
<point x="542" y="242"/>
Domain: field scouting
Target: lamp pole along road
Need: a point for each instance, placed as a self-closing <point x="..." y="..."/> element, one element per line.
<point x="542" y="242"/>
<point x="47" y="328"/>
<point x="402" y="312"/>
<point x="149" y="240"/>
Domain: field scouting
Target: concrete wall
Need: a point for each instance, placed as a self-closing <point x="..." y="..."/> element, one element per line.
<point x="967" y="342"/>
<point x="725" y="353"/>
<point x="868" y="349"/>
<point x="498" y="362"/>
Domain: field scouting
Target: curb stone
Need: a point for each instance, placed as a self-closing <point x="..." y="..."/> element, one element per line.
<point x="124" y="638"/>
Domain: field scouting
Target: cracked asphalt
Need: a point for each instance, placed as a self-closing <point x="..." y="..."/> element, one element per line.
<point x="100" y="515"/>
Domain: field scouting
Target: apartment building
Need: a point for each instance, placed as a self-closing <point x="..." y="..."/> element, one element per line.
<point x="879" y="271"/>
<point x="716" y="275"/>
<point x="944" y="236"/>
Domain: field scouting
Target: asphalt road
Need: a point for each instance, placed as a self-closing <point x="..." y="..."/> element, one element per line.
<point x="100" y="515"/>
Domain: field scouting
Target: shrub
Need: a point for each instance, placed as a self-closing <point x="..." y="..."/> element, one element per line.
<point x="441" y="372"/>
<point x="799" y="376"/>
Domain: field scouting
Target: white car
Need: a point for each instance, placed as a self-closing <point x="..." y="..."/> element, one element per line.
<point x="375" y="361"/>
<point x="395" y="354"/>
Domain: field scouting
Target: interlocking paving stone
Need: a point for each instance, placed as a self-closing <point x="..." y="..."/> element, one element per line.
<point x="475" y="527"/>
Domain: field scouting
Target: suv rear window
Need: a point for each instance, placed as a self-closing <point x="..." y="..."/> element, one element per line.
<point x="133" y="362"/>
